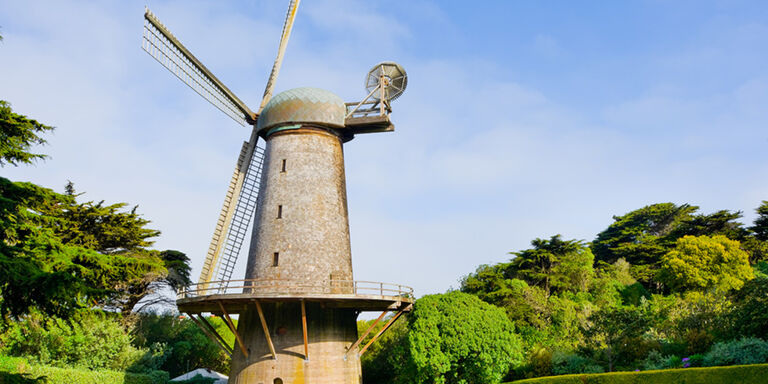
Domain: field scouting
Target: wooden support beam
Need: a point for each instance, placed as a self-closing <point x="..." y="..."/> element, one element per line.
<point x="216" y="333"/>
<point x="304" y="328"/>
<point x="389" y="323"/>
<point x="367" y="331"/>
<point x="266" y="330"/>
<point x="211" y="336"/>
<point x="234" y="330"/>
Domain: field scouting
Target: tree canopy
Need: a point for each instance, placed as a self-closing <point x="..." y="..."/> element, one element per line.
<point x="455" y="338"/>
<point x="45" y="264"/>
<point x="704" y="262"/>
<point x="18" y="134"/>
<point x="642" y="237"/>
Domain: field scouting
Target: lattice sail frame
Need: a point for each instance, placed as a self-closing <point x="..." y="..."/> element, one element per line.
<point x="159" y="43"/>
<point x="240" y="219"/>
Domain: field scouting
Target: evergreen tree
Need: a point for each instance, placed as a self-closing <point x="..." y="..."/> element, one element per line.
<point x="17" y="134"/>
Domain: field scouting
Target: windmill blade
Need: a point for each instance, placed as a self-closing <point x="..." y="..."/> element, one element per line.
<point x="236" y="214"/>
<point x="287" y="27"/>
<point x="159" y="43"/>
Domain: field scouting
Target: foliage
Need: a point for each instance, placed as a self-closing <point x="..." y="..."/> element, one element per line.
<point x="703" y="262"/>
<point x="456" y="338"/>
<point x="569" y="363"/>
<point x="106" y="229"/>
<point x="760" y="229"/>
<point x="749" y="315"/>
<point x="45" y="262"/>
<point x="88" y="340"/>
<point x="17" y="134"/>
<point x="19" y="371"/>
<point x="642" y="237"/>
<point x="615" y="335"/>
<point x="182" y="345"/>
<point x="380" y="361"/>
<point x="746" y="374"/>
<point x="748" y="350"/>
<point x="555" y="264"/>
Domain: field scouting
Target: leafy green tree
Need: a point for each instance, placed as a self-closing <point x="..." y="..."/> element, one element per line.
<point x="184" y="346"/>
<point x="555" y="264"/>
<point x="40" y="269"/>
<point x="380" y="361"/>
<point x="703" y="262"/>
<point x="17" y="134"/>
<point x="90" y="339"/>
<point x="456" y="338"/>
<point x="615" y="335"/>
<point x="642" y="237"/>
<point x="749" y="315"/>
<point x="107" y="229"/>
<point x="760" y="228"/>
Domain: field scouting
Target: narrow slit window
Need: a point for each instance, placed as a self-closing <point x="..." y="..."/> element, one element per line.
<point x="275" y="259"/>
<point x="282" y="169"/>
<point x="279" y="211"/>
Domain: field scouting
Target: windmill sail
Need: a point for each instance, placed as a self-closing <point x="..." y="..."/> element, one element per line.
<point x="293" y="6"/>
<point x="159" y="43"/>
<point x="236" y="213"/>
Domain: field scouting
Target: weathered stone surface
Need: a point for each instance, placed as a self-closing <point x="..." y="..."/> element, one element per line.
<point x="311" y="236"/>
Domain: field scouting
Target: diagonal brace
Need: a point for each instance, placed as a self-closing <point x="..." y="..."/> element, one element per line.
<point x="210" y="332"/>
<point x="389" y="324"/>
<point x="266" y="330"/>
<point x="234" y="330"/>
<point x="367" y="331"/>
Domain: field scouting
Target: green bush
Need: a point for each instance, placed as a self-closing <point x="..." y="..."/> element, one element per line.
<point x="17" y="370"/>
<point x="738" y="374"/>
<point x="655" y="360"/>
<point x="567" y="363"/>
<point x="748" y="350"/>
<point x="89" y="340"/>
<point x="176" y="345"/>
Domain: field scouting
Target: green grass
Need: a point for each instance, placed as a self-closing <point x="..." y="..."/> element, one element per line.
<point x="737" y="374"/>
<point x="17" y="370"/>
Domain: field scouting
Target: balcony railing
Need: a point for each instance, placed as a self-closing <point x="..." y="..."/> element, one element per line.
<point x="294" y="287"/>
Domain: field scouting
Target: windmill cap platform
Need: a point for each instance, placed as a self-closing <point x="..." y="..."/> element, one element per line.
<point x="303" y="106"/>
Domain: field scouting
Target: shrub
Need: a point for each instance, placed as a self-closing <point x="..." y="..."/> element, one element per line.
<point x="568" y="363"/>
<point x="742" y="374"/>
<point x="16" y="370"/>
<point x="655" y="360"/>
<point x="748" y="350"/>
<point x="456" y="338"/>
<point x="90" y="340"/>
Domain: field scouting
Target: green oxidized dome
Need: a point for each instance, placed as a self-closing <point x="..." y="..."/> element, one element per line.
<point x="303" y="105"/>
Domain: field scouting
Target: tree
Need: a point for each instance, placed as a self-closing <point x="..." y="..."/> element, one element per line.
<point x="39" y="268"/>
<point x="17" y="134"/>
<point x="642" y="237"/>
<point x="456" y="338"/>
<point x="614" y="334"/>
<point x="562" y="265"/>
<point x="749" y="315"/>
<point x="703" y="262"/>
<point x="760" y="229"/>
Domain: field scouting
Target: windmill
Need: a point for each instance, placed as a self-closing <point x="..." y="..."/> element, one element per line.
<point x="298" y="297"/>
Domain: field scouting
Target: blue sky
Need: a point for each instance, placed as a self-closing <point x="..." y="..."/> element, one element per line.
<point x="521" y="119"/>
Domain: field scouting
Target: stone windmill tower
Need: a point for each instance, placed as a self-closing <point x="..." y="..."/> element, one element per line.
<point x="298" y="302"/>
